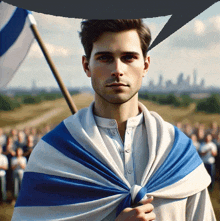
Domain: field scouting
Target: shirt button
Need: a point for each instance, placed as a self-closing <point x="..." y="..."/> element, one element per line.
<point x="127" y="150"/>
<point x="129" y="171"/>
<point x="112" y="123"/>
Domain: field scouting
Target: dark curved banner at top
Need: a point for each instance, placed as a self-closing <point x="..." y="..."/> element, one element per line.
<point x="182" y="11"/>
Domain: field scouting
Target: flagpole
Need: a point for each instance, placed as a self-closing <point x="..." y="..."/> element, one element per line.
<point x="55" y="72"/>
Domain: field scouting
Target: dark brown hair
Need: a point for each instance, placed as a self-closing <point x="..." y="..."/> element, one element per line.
<point x="92" y="29"/>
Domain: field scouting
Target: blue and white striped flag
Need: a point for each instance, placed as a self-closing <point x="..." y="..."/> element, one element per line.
<point x="72" y="176"/>
<point x="16" y="38"/>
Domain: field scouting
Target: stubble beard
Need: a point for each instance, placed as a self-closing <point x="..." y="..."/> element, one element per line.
<point x="115" y="99"/>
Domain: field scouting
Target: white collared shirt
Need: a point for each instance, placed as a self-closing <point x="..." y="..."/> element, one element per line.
<point x="133" y="153"/>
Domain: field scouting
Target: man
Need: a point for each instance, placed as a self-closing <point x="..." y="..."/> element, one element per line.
<point x="9" y="152"/>
<point x="106" y="161"/>
<point x="18" y="164"/>
<point x="3" y="168"/>
<point x="195" y="141"/>
<point x="21" y="141"/>
<point x="2" y="137"/>
<point x="28" y="148"/>
<point x="208" y="152"/>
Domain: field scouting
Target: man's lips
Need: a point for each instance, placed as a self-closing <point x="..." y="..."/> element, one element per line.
<point x="117" y="85"/>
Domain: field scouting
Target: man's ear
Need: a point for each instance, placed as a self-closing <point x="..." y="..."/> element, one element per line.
<point x="146" y="65"/>
<point x="85" y="64"/>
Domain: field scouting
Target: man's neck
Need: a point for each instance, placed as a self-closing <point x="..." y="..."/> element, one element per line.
<point x="119" y="112"/>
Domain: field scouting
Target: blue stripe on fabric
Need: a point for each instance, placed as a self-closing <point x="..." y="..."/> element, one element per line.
<point x="62" y="140"/>
<point x="125" y="203"/>
<point x="40" y="189"/>
<point x="181" y="161"/>
<point x="12" y="30"/>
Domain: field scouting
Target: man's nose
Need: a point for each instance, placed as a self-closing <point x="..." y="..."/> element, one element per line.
<point x="117" y="69"/>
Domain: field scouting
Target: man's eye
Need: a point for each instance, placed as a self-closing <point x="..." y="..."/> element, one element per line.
<point x="105" y="58"/>
<point x="129" y="57"/>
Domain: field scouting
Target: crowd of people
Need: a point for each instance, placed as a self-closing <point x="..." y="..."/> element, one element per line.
<point x="15" y="149"/>
<point x="17" y="145"/>
<point x="207" y="143"/>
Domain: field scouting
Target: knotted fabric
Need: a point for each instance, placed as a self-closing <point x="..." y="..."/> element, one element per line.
<point x="71" y="175"/>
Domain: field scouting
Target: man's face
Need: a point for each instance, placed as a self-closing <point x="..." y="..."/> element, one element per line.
<point x="116" y="66"/>
<point x="208" y="138"/>
<point x="19" y="152"/>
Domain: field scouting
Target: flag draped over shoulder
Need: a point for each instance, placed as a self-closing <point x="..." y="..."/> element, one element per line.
<point x="16" y="38"/>
<point x="72" y="176"/>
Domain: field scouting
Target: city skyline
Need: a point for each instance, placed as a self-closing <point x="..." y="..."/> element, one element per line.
<point x="183" y="83"/>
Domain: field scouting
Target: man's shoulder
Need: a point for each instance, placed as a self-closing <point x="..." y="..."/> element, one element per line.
<point x="24" y="159"/>
<point x="14" y="158"/>
<point x="2" y="156"/>
<point x="213" y="144"/>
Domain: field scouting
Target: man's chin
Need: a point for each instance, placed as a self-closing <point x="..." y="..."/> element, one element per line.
<point x="118" y="99"/>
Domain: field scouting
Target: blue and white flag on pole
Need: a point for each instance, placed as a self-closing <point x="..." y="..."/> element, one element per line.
<point x="16" y="38"/>
<point x="71" y="175"/>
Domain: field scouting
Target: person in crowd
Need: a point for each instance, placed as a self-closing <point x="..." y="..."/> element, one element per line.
<point x="33" y="132"/>
<point x="201" y="134"/>
<point x="9" y="151"/>
<point x="27" y="149"/>
<point x="3" y="137"/>
<point x="21" y="142"/>
<point x="39" y="134"/>
<point x="3" y="168"/>
<point x="195" y="141"/>
<point x="195" y="127"/>
<point x="217" y="158"/>
<point x="27" y="131"/>
<point x="208" y="152"/>
<point x="10" y="146"/>
<point x="14" y="134"/>
<point x="47" y="129"/>
<point x="18" y="164"/>
<point x="179" y="125"/>
<point x="214" y="129"/>
<point x="188" y="129"/>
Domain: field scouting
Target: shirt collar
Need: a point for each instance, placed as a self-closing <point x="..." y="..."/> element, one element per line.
<point x="112" y="123"/>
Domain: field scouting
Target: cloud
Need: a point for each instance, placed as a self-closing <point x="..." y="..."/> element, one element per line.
<point x="55" y="23"/>
<point x="54" y="51"/>
<point x="199" y="27"/>
<point x="56" y="32"/>
<point x="198" y="34"/>
<point x="215" y="21"/>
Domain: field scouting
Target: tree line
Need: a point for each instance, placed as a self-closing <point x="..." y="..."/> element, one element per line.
<point x="8" y="103"/>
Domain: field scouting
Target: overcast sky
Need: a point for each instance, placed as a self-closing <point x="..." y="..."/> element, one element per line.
<point x="195" y="46"/>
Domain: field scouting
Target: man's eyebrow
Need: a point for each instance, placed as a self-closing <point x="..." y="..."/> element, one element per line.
<point x="110" y="53"/>
<point x="131" y="53"/>
<point x="103" y="53"/>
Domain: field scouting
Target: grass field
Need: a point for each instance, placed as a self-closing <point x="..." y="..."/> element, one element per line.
<point x="37" y="115"/>
<point x="25" y="115"/>
<point x="53" y="112"/>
